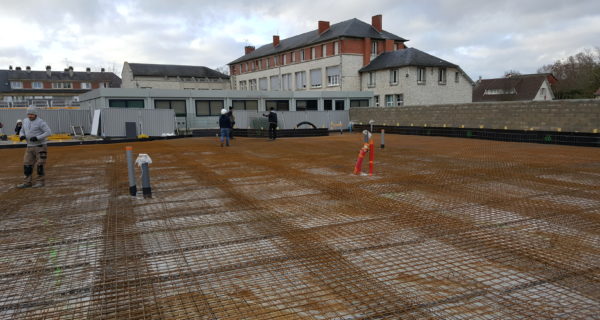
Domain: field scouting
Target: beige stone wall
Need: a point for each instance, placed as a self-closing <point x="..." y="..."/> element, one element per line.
<point x="555" y="115"/>
<point x="415" y="94"/>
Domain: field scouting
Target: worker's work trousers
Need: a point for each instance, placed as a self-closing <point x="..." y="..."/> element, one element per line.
<point x="35" y="156"/>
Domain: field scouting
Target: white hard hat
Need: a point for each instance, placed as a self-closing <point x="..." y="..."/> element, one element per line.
<point x="19" y="120"/>
<point x="223" y="111"/>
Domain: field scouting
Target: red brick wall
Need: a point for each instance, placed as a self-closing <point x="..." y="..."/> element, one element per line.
<point x="349" y="46"/>
<point x="76" y="85"/>
<point x="26" y="84"/>
<point x="366" y="51"/>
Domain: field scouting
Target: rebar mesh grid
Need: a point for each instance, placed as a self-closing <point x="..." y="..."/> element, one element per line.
<point x="445" y="229"/>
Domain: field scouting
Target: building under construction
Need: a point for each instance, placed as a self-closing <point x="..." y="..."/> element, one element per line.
<point x="445" y="228"/>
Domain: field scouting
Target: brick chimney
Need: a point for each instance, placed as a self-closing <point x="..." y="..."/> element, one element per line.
<point x="376" y="22"/>
<point x="101" y="69"/>
<point x="28" y="69"/>
<point x="70" y="71"/>
<point x="48" y="71"/>
<point x="88" y="70"/>
<point x="248" y="49"/>
<point x="10" y="67"/>
<point x="275" y="41"/>
<point x="323" y="26"/>
<point x="17" y="68"/>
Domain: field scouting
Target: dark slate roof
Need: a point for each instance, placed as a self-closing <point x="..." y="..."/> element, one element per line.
<point x="409" y="57"/>
<point x="168" y="70"/>
<point x="4" y="83"/>
<point x="8" y="75"/>
<point x="349" y="28"/>
<point x="526" y="87"/>
<point x="404" y="58"/>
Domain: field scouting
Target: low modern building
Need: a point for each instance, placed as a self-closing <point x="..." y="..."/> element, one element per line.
<point x="174" y="77"/>
<point x="325" y="59"/>
<point x="413" y="77"/>
<point x="49" y="88"/>
<point x="200" y="109"/>
<point x="527" y="87"/>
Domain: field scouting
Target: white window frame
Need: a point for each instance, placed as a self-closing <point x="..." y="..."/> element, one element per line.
<point x="421" y="75"/>
<point x="376" y="98"/>
<point x="268" y="62"/>
<point x="324" y="51"/>
<point x="16" y="85"/>
<point x="37" y="85"/>
<point x="293" y="57"/>
<point x="336" y="48"/>
<point x="302" y="55"/>
<point x="252" y="84"/>
<point x="333" y="80"/>
<point x="316" y="85"/>
<point x="442" y="75"/>
<point x="260" y="64"/>
<point x="286" y="82"/>
<point x="400" y="100"/>
<point x="313" y="53"/>
<point x="456" y="77"/>
<point x="371" y="80"/>
<point x="390" y="100"/>
<point x="275" y="60"/>
<point x="86" y="85"/>
<point x="373" y="49"/>
<point x="266" y="82"/>
<point x="394" y="76"/>
<point x="284" y="59"/>
<point x="302" y="84"/>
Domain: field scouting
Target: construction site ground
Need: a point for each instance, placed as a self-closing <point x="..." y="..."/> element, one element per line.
<point x="446" y="228"/>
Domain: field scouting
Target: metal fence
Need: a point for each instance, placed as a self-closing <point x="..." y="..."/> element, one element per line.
<point x="59" y="121"/>
<point x="289" y="119"/>
<point x="152" y="122"/>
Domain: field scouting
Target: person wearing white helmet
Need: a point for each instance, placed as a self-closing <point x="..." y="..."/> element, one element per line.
<point x="34" y="131"/>
<point x="18" y="127"/>
<point x="225" y="126"/>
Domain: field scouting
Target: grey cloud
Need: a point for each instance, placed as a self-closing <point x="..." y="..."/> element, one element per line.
<point x="514" y="34"/>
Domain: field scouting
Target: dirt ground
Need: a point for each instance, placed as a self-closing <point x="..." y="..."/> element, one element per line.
<point x="447" y="228"/>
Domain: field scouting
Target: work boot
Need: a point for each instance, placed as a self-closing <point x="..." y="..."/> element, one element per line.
<point x="24" y="185"/>
<point x="39" y="184"/>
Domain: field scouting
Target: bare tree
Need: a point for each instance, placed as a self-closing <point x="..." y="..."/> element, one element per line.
<point x="511" y="72"/>
<point x="578" y="75"/>
<point x="223" y="69"/>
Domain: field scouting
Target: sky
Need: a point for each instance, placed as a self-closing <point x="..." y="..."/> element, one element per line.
<point x="486" y="38"/>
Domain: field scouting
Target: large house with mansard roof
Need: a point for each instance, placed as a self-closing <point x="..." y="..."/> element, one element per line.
<point x="343" y="57"/>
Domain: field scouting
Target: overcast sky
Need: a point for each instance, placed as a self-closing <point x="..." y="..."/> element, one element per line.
<point x="485" y="38"/>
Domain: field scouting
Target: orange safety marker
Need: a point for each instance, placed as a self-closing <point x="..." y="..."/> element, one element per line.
<point x="359" y="160"/>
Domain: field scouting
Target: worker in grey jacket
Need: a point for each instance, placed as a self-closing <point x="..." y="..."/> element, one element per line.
<point x="35" y="131"/>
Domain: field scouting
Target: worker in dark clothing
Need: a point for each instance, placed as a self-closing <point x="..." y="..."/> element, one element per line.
<point x="225" y="126"/>
<point x="232" y="119"/>
<point x="272" y="116"/>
